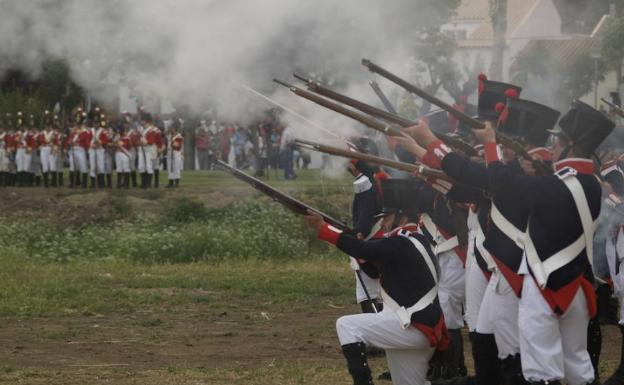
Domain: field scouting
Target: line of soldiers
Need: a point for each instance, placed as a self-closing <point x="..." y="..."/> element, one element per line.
<point x="497" y="246"/>
<point x="91" y="148"/>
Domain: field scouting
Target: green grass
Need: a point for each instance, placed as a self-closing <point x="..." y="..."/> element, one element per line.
<point x="35" y="289"/>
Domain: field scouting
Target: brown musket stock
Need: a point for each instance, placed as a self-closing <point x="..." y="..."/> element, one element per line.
<point x="375" y="124"/>
<point x="284" y="199"/>
<point x="381" y="114"/>
<point x="518" y="148"/>
<point x="618" y="110"/>
<point x="417" y="169"/>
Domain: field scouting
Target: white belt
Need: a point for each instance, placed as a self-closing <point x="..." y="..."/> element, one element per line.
<point x="542" y="269"/>
<point x="511" y="231"/>
<point x="479" y="239"/>
<point x="441" y="247"/>
<point x="405" y="315"/>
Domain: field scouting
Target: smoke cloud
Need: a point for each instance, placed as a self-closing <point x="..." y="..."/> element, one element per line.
<point x="197" y="53"/>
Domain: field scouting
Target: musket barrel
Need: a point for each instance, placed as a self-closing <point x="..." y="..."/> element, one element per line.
<point x="286" y="200"/>
<point x="421" y="170"/>
<point x="385" y="115"/>
<point x="364" y="119"/>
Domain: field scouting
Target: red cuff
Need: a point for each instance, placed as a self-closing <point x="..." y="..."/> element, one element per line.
<point x="491" y="153"/>
<point x="329" y="234"/>
<point x="436" y="151"/>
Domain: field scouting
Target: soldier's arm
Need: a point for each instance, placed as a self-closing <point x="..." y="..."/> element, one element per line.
<point x="376" y="250"/>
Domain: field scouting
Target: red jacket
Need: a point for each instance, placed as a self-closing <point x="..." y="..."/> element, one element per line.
<point x="84" y="139"/>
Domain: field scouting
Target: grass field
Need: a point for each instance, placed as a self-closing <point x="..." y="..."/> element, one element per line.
<point x="206" y="284"/>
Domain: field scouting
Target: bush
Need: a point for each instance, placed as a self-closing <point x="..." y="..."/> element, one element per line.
<point x="185" y="232"/>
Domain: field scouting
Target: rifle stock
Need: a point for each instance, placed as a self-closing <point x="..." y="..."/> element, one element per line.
<point x="418" y="169"/>
<point x="539" y="166"/>
<point x="381" y="114"/>
<point x="284" y="199"/>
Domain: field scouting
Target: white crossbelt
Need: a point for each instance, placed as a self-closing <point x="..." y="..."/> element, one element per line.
<point x="441" y="247"/>
<point x="508" y="228"/>
<point x="542" y="269"/>
<point x="405" y="315"/>
<point x="487" y="257"/>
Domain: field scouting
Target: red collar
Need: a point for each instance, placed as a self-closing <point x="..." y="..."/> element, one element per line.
<point x="581" y="165"/>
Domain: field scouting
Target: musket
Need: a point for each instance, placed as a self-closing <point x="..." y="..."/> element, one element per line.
<point x="380" y="94"/>
<point x="388" y="129"/>
<point x="284" y="199"/>
<point x="618" y="110"/>
<point x="385" y="115"/>
<point x="417" y="169"/>
<point x="518" y="148"/>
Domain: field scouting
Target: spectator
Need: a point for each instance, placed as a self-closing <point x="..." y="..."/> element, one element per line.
<point x="239" y="140"/>
<point x="202" y="146"/>
<point x="287" y="149"/>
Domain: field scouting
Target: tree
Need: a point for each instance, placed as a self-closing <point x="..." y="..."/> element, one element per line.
<point x="613" y="47"/>
<point x="551" y="81"/>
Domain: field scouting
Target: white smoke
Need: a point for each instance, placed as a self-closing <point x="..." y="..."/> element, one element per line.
<point x="197" y="52"/>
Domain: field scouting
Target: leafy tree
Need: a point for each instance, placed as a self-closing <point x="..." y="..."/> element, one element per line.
<point x="613" y="46"/>
<point x="558" y="82"/>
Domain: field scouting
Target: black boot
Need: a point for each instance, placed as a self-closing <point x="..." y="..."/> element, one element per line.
<point x="143" y="180"/>
<point x="101" y="181"/>
<point x="617" y="378"/>
<point x="120" y="177"/>
<point x="133" y="174"/>
<point x="72" y="179"/>
<point x="54" y="179"/>
<point x="177" y="184"/>
<point x="37" y="180"/>
<point x="46" y="180"/>
<point x="109" y="180"/>
<point x="594" y="344"/>
<point x="357" y="364"/>
<point x="170" y="185"/>
<point x="126" y="180"/>
<point x="366" y="305"/>
<point x="156" y="178"/>
<point x="148" y="180"/>
<point x="85" y="180"/>
<point x="61" y="176"/>
<point x="3" y="182"/>
<point x="512" y="371"/>
<point x="607" y="310"/>
<point x="92" y="180"/>
<point x="486" y="361"/>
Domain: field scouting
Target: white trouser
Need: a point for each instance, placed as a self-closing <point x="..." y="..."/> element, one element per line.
<point x="553" y="347"/>
<point x="108" y="163"/>
<point x="133" y="158"/>
<point x="499" y="315"/>
<point x="452" y="289"/>
<point x="476" y="282"/>
<point x="174" y="165"/>
<point x="156" y="163"/>
<point x="4" y="160"/>
<point x="48" y="159"/>
<point x="78" y="160"/>
<point x="372" y="285"/>
<point x="612" y="260"/>
<point x="146" y="163"/>
<point x="96" y="161"/>
<point x="122" y="161"/>
<point x="23" y="160"/>
<point x="407" y="350"/>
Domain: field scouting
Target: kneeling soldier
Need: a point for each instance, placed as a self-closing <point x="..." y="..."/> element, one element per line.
<point x="411" y="325"/>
